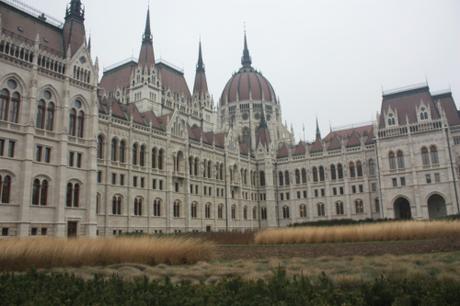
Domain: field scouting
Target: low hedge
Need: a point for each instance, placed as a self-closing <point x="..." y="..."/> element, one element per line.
<point x="60" y="289"/>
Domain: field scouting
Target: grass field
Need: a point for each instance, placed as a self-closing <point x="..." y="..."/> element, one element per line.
<point x="409" y="230"/>
<point x="437" y="266"/>
<point x="18" y="255"/>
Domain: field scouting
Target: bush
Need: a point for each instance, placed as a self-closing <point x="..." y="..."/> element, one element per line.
<point x="59" y="289"/>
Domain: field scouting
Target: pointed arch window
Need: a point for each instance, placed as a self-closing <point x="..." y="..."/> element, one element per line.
<point x="287" y="179"/>
<point x="339" y="211"/>
<point x="286" y="212"/>
<point x="50" y="116"/>
<point x="423" y="114"/>
<point x="425" y="157"/>
<point x="340" y="171"/>
<point x="281" y="180"/>
<point x="122" y="151"/>
<point x="303" y="211"/>
<point x="73" y="195"/>
<point x="321" y="209"/>
<point x="154" y="158"/>
<point x="315" y="174"/>
<point x="321" y="174"/>
<point x="333" y="173"/>
<point x="400" y="159"/>
<point x="391" y="119"/>
<point x="392" y="160"/>
<point x="177" y="209"/>
<point x="40" y="121"/>
<point x="40" y="192"/>
<point x="359" y="169"/>
<point x="142" y="156"/>
<point x="4" y="104"/>
<point x="194" y="210"/>
<point x="114" y="149"/>
<point x="160" y="159"/>
<point x="135" y="153"/>
<point x="434" y="155"/>
<point x="207" y="211"/>
<point x="157" y="208"/>
<point x="5" y="189"/>
<point x="352" y="169"/>
<point x="116" y="205"/>
<point x="77" y="119"/>
<point x="100" y="147"/>
<point x="304" y="176"/>
<point x="138" y="206"/>
<point x="10" y="100"/>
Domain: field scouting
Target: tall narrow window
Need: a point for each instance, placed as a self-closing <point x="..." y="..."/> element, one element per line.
<point x="333" y="173"/>
<point x="142" y="156"/>
<point x="359" y="169"/>
<point x="434" y="155"/>
<point x="281" y="180"/>
<point x="5" y="189"/>
<point x="339" y="171"/>
<point x="154" y="158"/>
<point x="100" y="147"/>
<point x="392" y="160"/>
<point x="400" y="159"/>
<point x="122" y="151"/>
<point x="69" y="193"/>
<point x="315" y="174"/>
<point x="40" y="121"/>
<point x="14" y="108"/>
<point x="44" y="193"/>
<point x="36" y="192"/>
<point x="81" y="124"/>
<point x="287" y="178"/>
<point x="371" y="167"/>
<point x="321" y="174"/>
<point x="50" y="116"/>
<point x="114" y="149"/>
<point x="425" y="157"/>
<point x="4" y="104"/>
<point x="304" y="176"/>
<point x="135" y="152"/>
<point x="73" y="122"/>
<point x="160" y="159"/>
<point x="352" y="169"/>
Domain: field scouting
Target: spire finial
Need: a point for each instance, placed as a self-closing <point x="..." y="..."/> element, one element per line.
<point x="318" y="132"/>
<point x="75" y="9"/>
<point x="246" y="60"/>
<point x="147" y="32"/>
<point x="200" y="64"/>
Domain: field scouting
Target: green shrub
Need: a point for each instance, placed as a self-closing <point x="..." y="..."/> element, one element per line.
<point x="60" y="289"/>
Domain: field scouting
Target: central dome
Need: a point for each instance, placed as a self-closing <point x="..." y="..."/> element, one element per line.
<point x="247" y="84"/>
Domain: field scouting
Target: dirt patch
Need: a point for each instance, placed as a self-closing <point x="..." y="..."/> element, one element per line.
<point x="233" y="252"/>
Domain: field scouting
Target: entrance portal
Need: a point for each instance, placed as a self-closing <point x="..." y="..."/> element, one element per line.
<point x="72" y="229"/>
<point x="436" y="207"/>
<point x="402" y="209"/>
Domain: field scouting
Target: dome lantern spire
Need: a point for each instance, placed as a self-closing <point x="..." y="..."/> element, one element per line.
<point x="246" y="60"/>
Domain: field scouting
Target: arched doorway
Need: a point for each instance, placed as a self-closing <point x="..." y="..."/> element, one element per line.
<point x="402" y="209"/>
<point x="436" y="206"/>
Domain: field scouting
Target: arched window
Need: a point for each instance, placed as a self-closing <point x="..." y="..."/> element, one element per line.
<point x="44" y="193"/>
<point x="321" y="209"/>
<point x="116" y="205"/>
<point x="339" y="171"/>
<point x="4" y="104"/>
<point x="315" y="174"/>
<point x="5" y="189"/>
<point x="14" y="109"/>
<point x="98" y="203"/>
<point x="359" y="206"/>
<point x="333" y="173"/>
<point x="423" y="114"/>
<point x="207" y="211"/>
<point x="179" y="161"/>
<point x="123" y="151"/>
<point x="142" y="156"/>
<point x="281" y="180"/>
<point x="157" y="208"/>
<point x="135" y="153"/>
<point x="72" y="122"/>
<point x="392" y="160"/>
<point x="190" y="165"/>
<point x="114" y="150"/>
<point x="303" y="211"/>
<point x="287" y="178"/>
<point x="10" y="100"/>
<point x="81" y="124"/>
<point x="73" y="195"/>
<point x="371" y="167"/>
<point x="233" y="212"/>
<point x="40" y="192"/>
<point x="245" y="212"/>
<point x="254" y="213"/>
<point x="321" y="174"/>
<point x="297" y="176"/>
<point x="36" y="192"/>
<point x="377" y="205"/>
<point x="50" y="116"/>
<point x="434" y="155"/>
<point x="425" y="157"/>
<point x="400" y="158"/>
<point x="220" y="211"/>
<point x="339" y="211"/>
<point x="154" y="158"/>
<point x="359" y="169"/>
<point x="194" y="210"/>
<point x="138" y="205"/>
<point x="286" y="212"/>
<point x="262" y="178"/>
<point x="196" y="166"/>
<point x="391" y="120"/>
<point x="100" y="147"/>
<point x="210" y="172"/>
<point x="304" y="176"/>
<point x="221" y="172"/>
<point x="352" y="169"/>
<point x="41" y="109"/>
<point x="176" y="209"/>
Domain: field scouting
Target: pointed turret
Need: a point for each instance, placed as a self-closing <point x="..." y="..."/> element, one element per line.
<point x="146" y="56"/>
<point x="246" y="60"/>
<point x="74" y="27"/>
<point x="200" y="88"/>
<point x="318" y="132"/>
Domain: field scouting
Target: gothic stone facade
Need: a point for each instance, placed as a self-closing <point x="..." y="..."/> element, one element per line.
<point x="136" y="151"/>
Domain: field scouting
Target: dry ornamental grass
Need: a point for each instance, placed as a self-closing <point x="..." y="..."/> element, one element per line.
<point x="17" y="255"/>
<point x="408" y="230"/>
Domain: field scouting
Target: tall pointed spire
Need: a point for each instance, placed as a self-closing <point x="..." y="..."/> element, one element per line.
<point x="148" y="32"/>
<point x="200" y="64"/>
<point x="147" y="56"/>
<point x="200" y="88"/>
<point x="75" y="9"/>
<point x="318" y="132"/>
<point x="246" y="60"/>
<point x="74" y="28"/>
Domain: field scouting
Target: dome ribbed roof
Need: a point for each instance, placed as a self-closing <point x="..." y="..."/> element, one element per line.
<point x="248" y="84"/>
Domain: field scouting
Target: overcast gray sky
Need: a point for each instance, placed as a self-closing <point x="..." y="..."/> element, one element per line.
<point x="325" y="58"/>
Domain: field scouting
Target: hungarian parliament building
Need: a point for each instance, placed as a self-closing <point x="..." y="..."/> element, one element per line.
<point x="137" y="151"/>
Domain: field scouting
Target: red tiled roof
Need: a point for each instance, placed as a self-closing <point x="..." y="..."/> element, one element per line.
<point x="354" y="140"/>
<point x="405" y="104"/>
<point x="173" y="80"/>
<point x="334" y="143"/>
<point x="146" y="55"/>
<point x="446" y="101"/>
<point x="299" y="149"/>
<point x="283" y="151"/>
<point x="200" y="87"/>
<point x="317" y="146"/>
<point x="118" y="77"/>
<point x="27" y="26"/>
<point x="195" y="133"/>
<point x="244" y="148"/>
